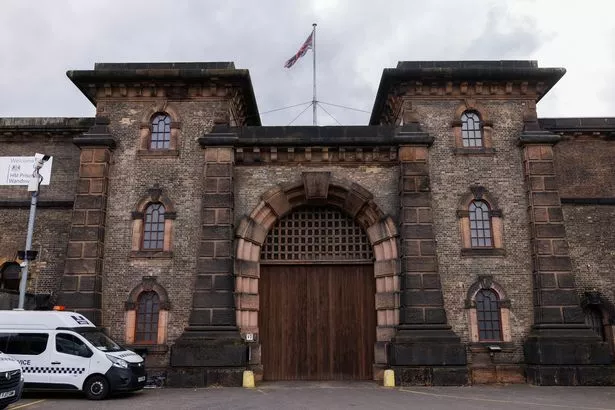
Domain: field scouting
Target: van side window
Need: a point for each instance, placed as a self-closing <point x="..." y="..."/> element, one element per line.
<point x="23" y="343"/>
<point x="69" y="344"/>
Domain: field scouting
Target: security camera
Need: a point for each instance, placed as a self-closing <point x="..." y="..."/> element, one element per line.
<point x="41" y="157"/>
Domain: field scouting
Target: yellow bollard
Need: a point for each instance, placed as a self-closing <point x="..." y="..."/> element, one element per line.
<point x="248" y="379"/>
<point x="389" y="378"/>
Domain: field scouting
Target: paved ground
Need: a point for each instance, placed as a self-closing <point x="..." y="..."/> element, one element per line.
<point x="340" y="396"/>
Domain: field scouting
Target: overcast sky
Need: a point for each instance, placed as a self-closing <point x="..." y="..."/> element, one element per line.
<point x="356" y="40"/>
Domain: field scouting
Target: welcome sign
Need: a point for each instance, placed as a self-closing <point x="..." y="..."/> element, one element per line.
<point x="19" y="170"/>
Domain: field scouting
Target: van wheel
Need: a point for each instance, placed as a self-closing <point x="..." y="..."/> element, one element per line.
<point x="96" y="388"/>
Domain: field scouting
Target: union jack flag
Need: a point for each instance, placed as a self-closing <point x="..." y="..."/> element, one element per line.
<point x="308" y="44"/>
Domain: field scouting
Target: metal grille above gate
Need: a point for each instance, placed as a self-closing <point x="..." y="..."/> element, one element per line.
<point x="313" y="234"/>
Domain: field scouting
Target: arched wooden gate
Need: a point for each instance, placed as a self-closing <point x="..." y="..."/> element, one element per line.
<point x="317" y="315"/>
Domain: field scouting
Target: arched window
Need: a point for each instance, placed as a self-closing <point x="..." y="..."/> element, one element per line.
<point x="593" y="319"/>
<point x="471" y="130"/>
<point x="488" y="315"/>
<point x="147" y="315"/>
<point x="148" y="308"/>
<point x="488" y="311"/>
<point x="10" y="275"/>
<point x="153" y="227"/>
<point x="480" y="225"/>
<point x="160" y="132"/>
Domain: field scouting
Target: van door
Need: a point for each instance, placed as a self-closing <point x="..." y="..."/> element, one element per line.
<point x="30" y="350"/>
<point x="71" y="360"/>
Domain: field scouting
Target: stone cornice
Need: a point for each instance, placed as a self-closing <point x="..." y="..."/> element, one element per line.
<point x="597" y="127"/>
<point x="462" y="79"/>
<point x="98" y="135"/>
<point x="341" y="145"/>
<point x="16" y="129"/>
<point x="311" y="136"/>
<point x="173" y="81"/>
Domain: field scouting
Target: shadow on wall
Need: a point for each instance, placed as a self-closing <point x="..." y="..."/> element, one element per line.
<point x="9" y="299"/>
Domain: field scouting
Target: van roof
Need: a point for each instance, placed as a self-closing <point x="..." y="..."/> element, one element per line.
<point x="37" y="319"/>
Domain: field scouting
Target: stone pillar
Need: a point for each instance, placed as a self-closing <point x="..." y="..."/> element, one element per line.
<point x="425" y="350"/>
<point x="211" y="351"/>
<point x="561" y="349"/>
<point x="81" y="287"/>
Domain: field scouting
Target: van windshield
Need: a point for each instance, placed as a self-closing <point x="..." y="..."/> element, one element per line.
<point x="100" y="341"/>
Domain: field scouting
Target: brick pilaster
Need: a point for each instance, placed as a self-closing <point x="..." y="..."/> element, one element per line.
<point x="560" y="349"/>
<point x="213" y="305"/>
<point x="81" y="287"/>
<point x="425" y="350"/>
<point x="211" y="351"/>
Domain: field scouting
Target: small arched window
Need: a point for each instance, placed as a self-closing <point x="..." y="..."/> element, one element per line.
<point x="488" y="315"/>
<point x="153" y="227"/>
<point x="471" y="130"/>
<point x="480" y="225"/>
<point x="160" y="132"/>
<point x="593" y="319"/>
<point x="10" y="275"/>
<point x="148" y="308"/>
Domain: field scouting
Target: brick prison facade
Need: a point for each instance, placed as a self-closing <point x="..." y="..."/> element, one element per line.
<point x="457" y="238"/>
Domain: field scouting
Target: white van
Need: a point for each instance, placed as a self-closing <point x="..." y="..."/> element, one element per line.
<point x="11" y="380"/>
<point x="64" y="351"/>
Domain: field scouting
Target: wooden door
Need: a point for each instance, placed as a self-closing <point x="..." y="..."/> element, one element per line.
<point x="317" y="322"/>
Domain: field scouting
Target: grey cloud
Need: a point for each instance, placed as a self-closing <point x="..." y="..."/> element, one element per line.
<point x="355" y="41"/>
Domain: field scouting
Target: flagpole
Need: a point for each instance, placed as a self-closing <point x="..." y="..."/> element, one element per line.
<point x="314" y="102"/>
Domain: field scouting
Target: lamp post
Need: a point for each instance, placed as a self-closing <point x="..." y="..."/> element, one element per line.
<point x="28" y="254"/>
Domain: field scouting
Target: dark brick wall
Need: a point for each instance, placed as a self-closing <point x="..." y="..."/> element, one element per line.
<point x="585" y="167"/>
<point x="591" y="238"/>
<point x="502" y="175"/>
<point x="51" y="229"/>
<point x="181" y="180"/>
<point x="52" y="225"/>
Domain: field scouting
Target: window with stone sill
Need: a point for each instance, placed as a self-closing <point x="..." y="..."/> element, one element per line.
<point x="147" y="312"/>
<point x="472" y="130"/>
<point x="488" y="312"/>
<point x="160" y="133"/>
<point x="480" y="223"/>
<point x="152" y="229"/>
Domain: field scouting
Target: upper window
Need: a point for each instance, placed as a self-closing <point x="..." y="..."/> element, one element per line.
<point x="471" y="130"/>
<point x="488" y="315"/>
<point x="480" y="225"/>
<point x="161" y="132"/>
<point x="148" y="307"/>
<point x="153" y="227"/>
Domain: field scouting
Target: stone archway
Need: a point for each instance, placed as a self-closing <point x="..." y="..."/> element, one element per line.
<point x="318" y="188"/>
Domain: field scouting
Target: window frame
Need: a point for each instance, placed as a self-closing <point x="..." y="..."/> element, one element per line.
<point x="151" y="319"/>
<point x="485" y="127"/>
<point x="148" y="227"/>
<point x="486" y="283"/>
<point x="478" y="193"/>
<point x="154" y="195"/>
<point x="147" y="284"/>
<point x="162" y="137"/>
<point x="480" y="321"/>
<point x="147" y="128"/>
<point x="487" y="233"/>
<point x="469" y="134"/>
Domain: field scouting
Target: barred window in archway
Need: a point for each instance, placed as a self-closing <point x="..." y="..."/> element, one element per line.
<point x="317" y="234"/>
